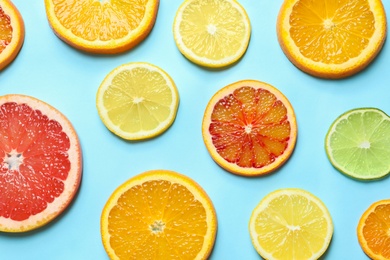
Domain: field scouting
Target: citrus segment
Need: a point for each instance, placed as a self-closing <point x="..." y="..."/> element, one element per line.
<point x="40" y="160"/>
<point x="373" y="230"/>
<point x="290" y="224"/>
<point x="159" y="214"/>
<point x="11" y="33"/>
<point x="137" y="101"/>
<point x="249" y="128"/>
<point x="331" y="39"/>
<point x="212" y="33"/>
<point x="358" y="143"/>
<point x="105" y="27"/>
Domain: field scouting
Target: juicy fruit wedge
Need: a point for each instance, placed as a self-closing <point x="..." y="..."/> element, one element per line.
<point x="159" y="214"/>
<point x="249" y="128"/>
<point x="41" y="163"/>
<point x="373" y="230"/>
<point x="212" y="33"/>
<point x="105" y="27"/>
<point x="331" y="39"/>
<point x="11" y="33"/>
<point x="290" y="224"/>
<point x="358" y="143"/>
<point x="137" y="101"/>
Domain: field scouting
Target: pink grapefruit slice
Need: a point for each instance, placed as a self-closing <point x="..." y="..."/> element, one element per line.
<point x="40" y="163"/>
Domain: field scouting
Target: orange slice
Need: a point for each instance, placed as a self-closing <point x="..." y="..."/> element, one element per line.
<point x="373" y="230"/>
<point x="331" y="39"/>
<point x="11" y="33"/>
<point x="249" y="128"/>
<point x="105" y="27"/>
<point x="159" y="214"/>
<point x="40" y="163"/>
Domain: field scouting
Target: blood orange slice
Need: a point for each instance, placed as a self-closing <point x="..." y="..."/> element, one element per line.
<point x="40" y="163"/>
<point x="249" y="128"/>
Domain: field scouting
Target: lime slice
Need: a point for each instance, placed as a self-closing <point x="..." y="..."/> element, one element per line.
<point x="358" y="143"/>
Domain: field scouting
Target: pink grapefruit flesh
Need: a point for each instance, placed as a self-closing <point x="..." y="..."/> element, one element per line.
<point x="40" y="163"/>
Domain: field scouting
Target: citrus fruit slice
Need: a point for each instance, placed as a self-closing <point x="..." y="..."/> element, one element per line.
<point x="290" y="224"/>
<point x="137" y="101"/>
<point x="104" y="27"/>
<point x="40" y="163"/>
<point x="358" y="143"/>
<point x="212" y="33"/>
<point x="373" y="230"/>
<point x="159" y="214"/>
<point x="11" y="33"/>
<point x="331" y="39"/>
<point x="249" y="128"/>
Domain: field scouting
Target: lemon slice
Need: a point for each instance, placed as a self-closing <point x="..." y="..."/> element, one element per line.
<point x="358" y="143"/>
<point x="212" y="33"/>
<point x="137" y="101"/>
<point x="291" y="224"/>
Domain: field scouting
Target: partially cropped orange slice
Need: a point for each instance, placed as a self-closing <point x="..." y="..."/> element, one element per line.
<point x="331" y="39"/>
<point x="11" y="32"/>
<point x="105" y="27"/>
<point x="159" y="214"/>
<point x="374" y="230"/>
<point x="249" y="128"/>
<point x="40" y="163"/>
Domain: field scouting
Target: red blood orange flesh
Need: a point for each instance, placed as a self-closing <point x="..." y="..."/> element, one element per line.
<point x="249" y="128"/>
<point x="40" y="163"/>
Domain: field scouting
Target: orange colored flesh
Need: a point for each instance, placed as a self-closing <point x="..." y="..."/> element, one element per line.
<point x="375" y="230"/>
<point x="310" y="35"/>
<point x="250" y="127"/>
<point x="6" y="30"/>
<point x="33" y="158"/>
<point x="100" y="21"/>
<point x="164" y="205"/>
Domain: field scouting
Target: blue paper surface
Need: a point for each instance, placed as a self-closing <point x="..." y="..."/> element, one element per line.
<point x="68" y="79"/>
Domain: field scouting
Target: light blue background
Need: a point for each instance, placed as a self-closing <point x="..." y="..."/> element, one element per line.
<point x="50" y="70"/>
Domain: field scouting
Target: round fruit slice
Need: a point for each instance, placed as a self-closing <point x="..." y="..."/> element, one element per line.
<point x="11" y="33"/>
<point x="40" y="163"/>
<point x="105" y="27"/>
<point x="159" y="214"/>
<point x="249" y="128"/>
<point x="137" y="101"/>
<point x="373" y="230"/>
<point x="212" y="33"/>
<point x="331" y="39"/>
<point x="358" y="143"/>
<point x="290" y="224"/>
